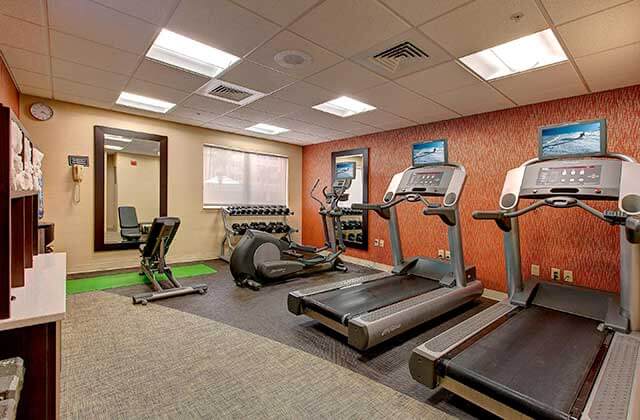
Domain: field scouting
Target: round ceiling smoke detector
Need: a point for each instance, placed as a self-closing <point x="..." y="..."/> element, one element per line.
<point x="292" y="59"/>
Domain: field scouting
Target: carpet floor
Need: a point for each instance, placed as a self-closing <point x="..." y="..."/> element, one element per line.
<point x="265" y="313"/>
<point x="121" y="361"/>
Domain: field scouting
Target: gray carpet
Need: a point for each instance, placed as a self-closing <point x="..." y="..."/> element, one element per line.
<point x="121" y="361"/>
<point x="265" y="313"/>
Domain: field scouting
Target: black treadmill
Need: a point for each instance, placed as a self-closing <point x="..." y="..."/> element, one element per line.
<point x="369" y="310"/>
<point x="552" y="350"/>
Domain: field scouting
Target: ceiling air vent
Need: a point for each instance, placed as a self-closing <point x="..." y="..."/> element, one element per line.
<point x="229" y="92"/>
<point x="400" y="55"/>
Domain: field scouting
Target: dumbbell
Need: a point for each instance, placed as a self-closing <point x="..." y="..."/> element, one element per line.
<point x="359" y="237"/>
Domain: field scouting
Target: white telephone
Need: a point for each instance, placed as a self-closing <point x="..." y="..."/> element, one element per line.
<point x="77" y="172"/>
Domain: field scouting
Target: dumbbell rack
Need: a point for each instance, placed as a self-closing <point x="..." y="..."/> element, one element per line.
<point x="230" y="234"/>
<point x="350" y="216"/>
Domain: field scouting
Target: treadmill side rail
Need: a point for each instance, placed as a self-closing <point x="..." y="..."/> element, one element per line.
<point x="424" y="358"/>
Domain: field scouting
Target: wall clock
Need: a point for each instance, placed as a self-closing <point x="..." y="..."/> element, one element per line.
<point x="41" y="111"/>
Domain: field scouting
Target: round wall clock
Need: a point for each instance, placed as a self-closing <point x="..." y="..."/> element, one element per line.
<point x="41" y="111"/>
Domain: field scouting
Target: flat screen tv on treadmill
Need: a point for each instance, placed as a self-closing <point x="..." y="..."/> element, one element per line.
<point x="434" y="152"/>
<point x="576" y="139"/>
<point x="345" y="170"/>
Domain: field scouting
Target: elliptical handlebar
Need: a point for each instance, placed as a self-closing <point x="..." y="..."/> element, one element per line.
<point x="316" y="198"/>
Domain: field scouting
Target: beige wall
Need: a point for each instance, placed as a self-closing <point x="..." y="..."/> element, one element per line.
<point x="70" y="131"/>
<point x="139" y="186"/>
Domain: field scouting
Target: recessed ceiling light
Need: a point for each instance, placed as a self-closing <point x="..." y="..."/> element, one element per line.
<point x="526" y="53"/>
<point x="143" y="102"/>
<point x="186" y="53"/>
<point x="344" y="107"/>
<point x="115" y="137"/>
<point x="267" y="129"/>
<point x="292" y="59"/>
<point x="112" y="147"/>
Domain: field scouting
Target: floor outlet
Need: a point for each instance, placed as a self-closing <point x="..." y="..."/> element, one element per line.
<point x="555" y="274"/>
<point x="535" y="270"/>
<point x="568" y="276"/>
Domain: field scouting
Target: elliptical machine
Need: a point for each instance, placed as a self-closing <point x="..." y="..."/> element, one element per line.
<point x="260" y="258"/>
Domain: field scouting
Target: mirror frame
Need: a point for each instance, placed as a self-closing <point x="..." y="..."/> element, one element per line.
<point x="364" y="151"/>
<point x="99" y="188"/>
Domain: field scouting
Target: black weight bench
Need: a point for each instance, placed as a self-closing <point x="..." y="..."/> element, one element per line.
<point x="153" y="263"/>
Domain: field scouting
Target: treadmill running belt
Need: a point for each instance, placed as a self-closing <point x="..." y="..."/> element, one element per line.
<point x="342" y="304"/>
<point x="536" y="361"/>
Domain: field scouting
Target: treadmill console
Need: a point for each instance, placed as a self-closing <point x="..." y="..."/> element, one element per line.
<point x="436" y="181"/>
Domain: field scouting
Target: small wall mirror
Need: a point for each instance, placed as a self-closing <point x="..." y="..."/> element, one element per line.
<point x="130" y="186"/>
<point x="354" y="223"/>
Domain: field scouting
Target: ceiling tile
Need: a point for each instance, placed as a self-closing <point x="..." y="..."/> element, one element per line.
<point x="365" y="129"/>
<point x="157" y="14"/>
<point x="62" y="86"/>
<point x="61" y="96"/>
<point x="282" y="12"/>
<point x="609" y="29"/>
<point x="346" y="78"/>
<point x="256" y="77"/>
<point x="155" y="72"/>
<point x="420" y="11"/>
<point x="31" y="10"/>
<point x="484" y="24"/>
<point x="274" y="105"/>
<point x="21" y="34"/>
<point x="182" y="111"/>
<point x="554" y="82"/>
<point x="348" y="27"/>
<point x="208" y="104"/>
<point x="601" y="74"/>
<point x="473" y="99"/>
<point x="30" y="90"/>
<point x="230" y="122"/>
<point x="565" y="10"/>
<point x="88" y="75"/>
<point x="26" y="60"/>
<point x="222" y="25"/>
<point x="89" y="53"/>
<point x="182" y="120"/>
<point x="92" y="21"/>
<point x="327" y="133"/>
<point x="405" y="66"/>
<point x="438" y="79"/>
<point x="394" y="98"/>
<point x="382" y="119"/>
<point x="135" y="111"/>
<point x="322" y="119"/>
<point x="305" y="94"/>
<point x="300" y="137"/>
<point x="286" y="41"/>
<point x="153" y="90"/>
<point x="29" y="78"/>
<point x="295" y="125"/>
<point x="249" y="114"/>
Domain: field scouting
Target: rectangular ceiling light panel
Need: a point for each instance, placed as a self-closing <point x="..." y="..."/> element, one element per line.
<point x="188" y="54"/>
<point x="112" y="147"/>
<point x="526" y="53"/>
<point x="142" y="102"/>
<point x="114" y="137"/>
<point x="267" y="129"/>
<point x="344" y="107"/>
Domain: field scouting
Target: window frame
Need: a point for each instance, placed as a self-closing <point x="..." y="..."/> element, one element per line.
<point x="240" y="150"/>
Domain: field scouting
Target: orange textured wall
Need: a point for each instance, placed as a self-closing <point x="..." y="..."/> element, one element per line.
<point x="488" y="145"/>
<point x="9" y="95"/>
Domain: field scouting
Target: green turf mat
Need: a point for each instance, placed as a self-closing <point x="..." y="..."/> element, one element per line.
<point x="112" y="281"/>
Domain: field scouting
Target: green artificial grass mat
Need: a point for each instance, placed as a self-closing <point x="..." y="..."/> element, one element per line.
<point x="111" y="281"/>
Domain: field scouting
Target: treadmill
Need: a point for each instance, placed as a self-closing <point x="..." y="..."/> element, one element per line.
<point x="371" y="309"/>
<point x="552" y="350"/>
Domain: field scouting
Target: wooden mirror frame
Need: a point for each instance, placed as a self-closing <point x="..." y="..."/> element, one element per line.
<point x="99" y="188"/>
<point x="365" y="191"/>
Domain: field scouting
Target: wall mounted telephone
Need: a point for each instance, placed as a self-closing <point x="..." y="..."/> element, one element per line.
<point x="77" y="172"/>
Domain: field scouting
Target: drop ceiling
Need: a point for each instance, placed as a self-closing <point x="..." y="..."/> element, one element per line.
<point x="88" y="51"/>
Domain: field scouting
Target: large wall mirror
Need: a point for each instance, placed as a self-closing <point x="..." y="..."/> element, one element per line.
<point x="354" y="224"/>
<point x="130" y="186"/>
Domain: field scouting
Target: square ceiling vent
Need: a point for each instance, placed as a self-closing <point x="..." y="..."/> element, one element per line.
<point x="229" y="92"/>
<point x="402" y="55"/>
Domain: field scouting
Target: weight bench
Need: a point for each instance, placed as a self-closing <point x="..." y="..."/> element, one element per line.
<point x="153" y="263"/>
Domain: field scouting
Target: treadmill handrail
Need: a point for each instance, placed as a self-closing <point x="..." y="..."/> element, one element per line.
<point x="381" y="208"/>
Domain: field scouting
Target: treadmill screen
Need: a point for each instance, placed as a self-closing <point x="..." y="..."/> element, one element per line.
<point x="345" y="170"/>
<point x="430" y="153"/>
<point x="585" y="138"/>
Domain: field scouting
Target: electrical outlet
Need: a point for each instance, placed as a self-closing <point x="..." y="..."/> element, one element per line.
<point x="447" y="254"/>
<point x="535" y="270"/>
<point x="555" y="274"/>
<point x="376" y="242"/>
<point x="568" y="276"/>
<point x="381" y="242"/>
<point x="441" y="254"/>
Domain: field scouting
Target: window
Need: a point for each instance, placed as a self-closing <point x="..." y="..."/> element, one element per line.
<point x="238" y="177"/>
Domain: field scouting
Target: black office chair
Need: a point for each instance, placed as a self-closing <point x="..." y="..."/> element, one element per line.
<point x="153" y="252"/>
<point x="129" y="225"/>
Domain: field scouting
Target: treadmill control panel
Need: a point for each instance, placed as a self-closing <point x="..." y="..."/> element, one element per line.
<point x="436" y="181"/>
<point x="576" y="175"/>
